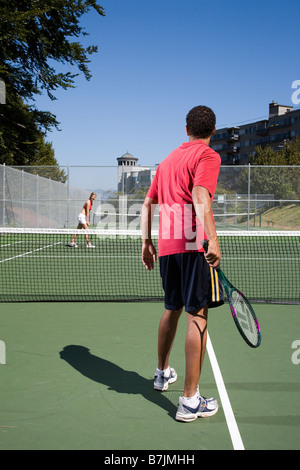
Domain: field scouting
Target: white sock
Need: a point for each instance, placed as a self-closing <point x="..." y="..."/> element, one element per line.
<point x="192" y="401"/>
<point x="165" y="372"/>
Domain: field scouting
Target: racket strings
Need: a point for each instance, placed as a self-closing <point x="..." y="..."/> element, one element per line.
<point x="244" y="317"/>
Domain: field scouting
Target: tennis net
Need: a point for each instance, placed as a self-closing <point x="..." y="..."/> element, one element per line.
<point x="39" y="265"/>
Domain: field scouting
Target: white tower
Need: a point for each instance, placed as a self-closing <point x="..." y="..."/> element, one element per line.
<point x="125" y="169"/>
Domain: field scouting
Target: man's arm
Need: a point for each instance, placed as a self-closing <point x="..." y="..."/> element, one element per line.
<point x="203" y="207"/>
<point x="148" y="249"/>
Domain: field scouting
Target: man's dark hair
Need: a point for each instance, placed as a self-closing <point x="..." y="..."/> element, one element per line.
<point x="201" y="122"/>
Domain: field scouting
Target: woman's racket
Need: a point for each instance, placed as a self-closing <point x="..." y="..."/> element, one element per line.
<point x="241" y="309"/>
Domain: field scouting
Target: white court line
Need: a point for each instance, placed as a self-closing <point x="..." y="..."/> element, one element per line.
<point x="80" y="257"/>
<point x="29" y="252"/>
<point x="229" y="416"/>
<point x="10" y="244"/>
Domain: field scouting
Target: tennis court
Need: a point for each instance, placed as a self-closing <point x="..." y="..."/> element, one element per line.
<point x="79" y="374"/>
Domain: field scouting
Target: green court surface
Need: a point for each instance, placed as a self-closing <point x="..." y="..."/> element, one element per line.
<point x="80" y="376"/>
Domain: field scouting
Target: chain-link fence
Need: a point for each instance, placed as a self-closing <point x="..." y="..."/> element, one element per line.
<point x="32" y="201"/>
<point x="258" y="197"/>
<point x="247" y="197"/>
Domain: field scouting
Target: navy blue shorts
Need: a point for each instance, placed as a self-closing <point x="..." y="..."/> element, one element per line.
<point x="189" y="281"/>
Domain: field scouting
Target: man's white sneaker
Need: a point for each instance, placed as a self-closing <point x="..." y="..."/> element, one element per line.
<point x="204" y="408"/>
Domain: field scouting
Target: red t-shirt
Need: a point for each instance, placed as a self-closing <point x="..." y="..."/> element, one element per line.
<point x="192" y="164"/>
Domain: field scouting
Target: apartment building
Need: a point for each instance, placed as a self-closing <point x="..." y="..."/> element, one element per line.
<point x="237" y="144"/>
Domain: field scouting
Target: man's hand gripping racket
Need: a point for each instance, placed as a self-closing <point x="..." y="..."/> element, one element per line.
<point x="241" y="309"/>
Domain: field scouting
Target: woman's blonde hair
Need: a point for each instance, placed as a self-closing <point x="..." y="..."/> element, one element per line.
<point x="90" y="198"/>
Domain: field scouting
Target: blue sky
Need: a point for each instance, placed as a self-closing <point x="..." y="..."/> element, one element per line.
<point x="157" y="59"/>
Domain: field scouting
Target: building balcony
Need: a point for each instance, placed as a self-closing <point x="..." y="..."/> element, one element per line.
<point x="232" y="150"/>
<point x="233" y="137"/>
<point x="262" y="131"/>
<point x="232" y="134"/>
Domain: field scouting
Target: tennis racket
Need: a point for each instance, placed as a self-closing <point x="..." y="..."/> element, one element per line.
<point x="241" y="309"/>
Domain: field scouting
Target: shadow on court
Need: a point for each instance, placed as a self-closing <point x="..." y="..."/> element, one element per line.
<point x="114" y="377"/>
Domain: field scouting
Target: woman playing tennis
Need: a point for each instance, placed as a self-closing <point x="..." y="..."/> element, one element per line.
<point x="84" y="221"/>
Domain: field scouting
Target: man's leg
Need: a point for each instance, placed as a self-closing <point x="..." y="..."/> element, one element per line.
<point x="195" y="346"/>
<point x="164" y="374"/>
<point x="192" y="405"/>
<point x="166" y="335"/>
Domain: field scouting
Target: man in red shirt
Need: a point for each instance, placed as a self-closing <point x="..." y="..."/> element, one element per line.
<point x="184" y="186"/>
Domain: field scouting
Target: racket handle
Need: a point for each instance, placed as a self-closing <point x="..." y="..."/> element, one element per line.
<point x="204" y="244"/>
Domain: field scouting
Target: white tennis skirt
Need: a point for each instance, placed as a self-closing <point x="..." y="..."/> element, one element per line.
<point x="82" y="219"/>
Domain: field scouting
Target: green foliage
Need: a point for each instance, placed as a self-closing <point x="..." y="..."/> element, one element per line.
<point x="267" y="178"/>
<point x="35" y="33"/>
<point x="21" y="139"/>
<point x="36" y="36"/>
<point x="288" y="155"/>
